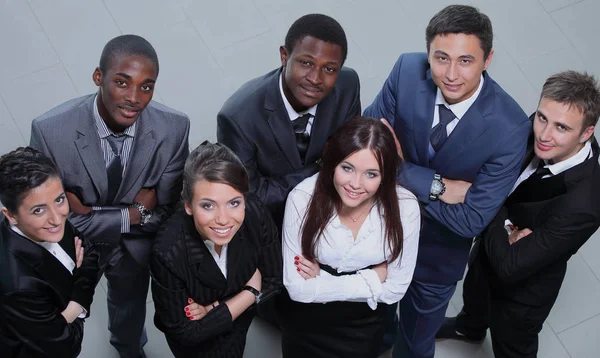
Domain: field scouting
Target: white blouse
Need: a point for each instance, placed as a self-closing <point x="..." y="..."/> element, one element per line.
<point x="338" y="249"/>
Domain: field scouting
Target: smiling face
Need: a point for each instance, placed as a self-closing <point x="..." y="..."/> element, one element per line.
<point x="218" y="211"/>
<point x="559" y="132"/>
<point x="356" y="179"/>
<point x="43" y="212"/>
<point x="310" y="71"/>
<point x="457" y="63"/>
<point x="126" y="88"/>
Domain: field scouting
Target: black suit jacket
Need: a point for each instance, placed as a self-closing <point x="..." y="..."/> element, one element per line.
<point x="182" y="268"/>
<point x="34" y="289"/>
<point x="254" y="123"/>
<point x="563" y="212"/>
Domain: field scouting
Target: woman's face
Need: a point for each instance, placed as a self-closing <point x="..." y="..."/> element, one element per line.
<point x="218" y="211"/>
<point x="43" y="212"/>
<point x="357" y="178"/>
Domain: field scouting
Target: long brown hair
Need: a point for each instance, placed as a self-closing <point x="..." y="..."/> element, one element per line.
<point x="359" y="133"/>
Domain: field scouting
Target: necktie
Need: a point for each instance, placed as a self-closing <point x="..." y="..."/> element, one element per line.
<point x="438" y="133"/>
<point x="302" y="139"/>
<point x="540" y="172"/>
<point x="115" y="168"/>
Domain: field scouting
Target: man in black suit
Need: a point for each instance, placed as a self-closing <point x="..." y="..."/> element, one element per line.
<point x="518" y="264"/>
<point x="278" y="123"/>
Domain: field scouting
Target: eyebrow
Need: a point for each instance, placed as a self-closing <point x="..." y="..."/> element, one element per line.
<point x="212" y="201"/>
<point x="126" y="76"/>
<point x="368" y="170"/>
<point x="467" y="56"/>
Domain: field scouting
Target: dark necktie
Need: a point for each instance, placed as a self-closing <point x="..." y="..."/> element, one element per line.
<point x="302" y="139"/>
<point x="115" y="168"/>
<point x="438" y="133"/>
<point x="540" y="172"/>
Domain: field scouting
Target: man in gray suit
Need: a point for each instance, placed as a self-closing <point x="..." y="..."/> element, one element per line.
<point x="121" y="157"/>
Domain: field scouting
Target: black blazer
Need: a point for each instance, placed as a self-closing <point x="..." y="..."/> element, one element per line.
<point x="254" y="123"/>
<point x="34" y="289"/>
<point x="563" y="212"/>
<point x="182" y="267"/>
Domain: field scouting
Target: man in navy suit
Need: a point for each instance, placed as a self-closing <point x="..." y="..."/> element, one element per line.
<point x="456" y="127"/>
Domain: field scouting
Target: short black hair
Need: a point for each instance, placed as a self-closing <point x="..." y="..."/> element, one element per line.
<point x="127" y="45"/>
<point x="215" y="163"/>
<point x="319" y="26"/>
<point x="21" y="171"/>
<point x="462" y="19"/>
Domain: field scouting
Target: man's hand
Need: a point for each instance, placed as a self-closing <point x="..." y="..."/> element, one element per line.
<point x="76" y="206"/>
<point x="398" y="146"/>
<point x="517" y="235"/>
<point x="456" y="190"/>
<point x="147" y="197"/>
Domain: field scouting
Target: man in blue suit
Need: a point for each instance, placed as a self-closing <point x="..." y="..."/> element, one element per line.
<point x="456" y="127"/>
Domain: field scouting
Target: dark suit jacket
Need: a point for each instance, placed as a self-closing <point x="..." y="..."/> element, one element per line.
<point x="34" y="289"/>
<point x="563" y="212"/>
<point x="69" y="136"/>
<point x="486" y="149"/>
<point x="254" y="123"/>
<point x="182" y="268"/>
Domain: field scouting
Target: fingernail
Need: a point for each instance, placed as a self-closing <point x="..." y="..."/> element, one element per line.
<point x="191" y="318"/>
<point x="188" y="314"/>
<point x="189" y="300"/>
<point x="187" y="309"/>
<point x="298" y="269"/>
<point x="295" y="262"/>
<point x="296" y="258"/>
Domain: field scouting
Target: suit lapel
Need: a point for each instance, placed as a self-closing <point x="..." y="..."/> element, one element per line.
<point x="143" y="148"/>
<point x="280" y="122"/>
<point x="321" y="127"/>
<point x="206" y="269"/>
<point x="88" y="147"/>
<point x="423" y="118"/>
<point x="238" y="253"/>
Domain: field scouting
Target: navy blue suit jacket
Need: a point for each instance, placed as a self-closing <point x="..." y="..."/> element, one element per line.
<point x="486" y="148"/>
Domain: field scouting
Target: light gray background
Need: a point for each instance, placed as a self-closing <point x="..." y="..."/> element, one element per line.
<point x="207" y="49"/>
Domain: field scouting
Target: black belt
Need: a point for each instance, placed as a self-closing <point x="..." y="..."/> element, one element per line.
<point x="334" y="272"/>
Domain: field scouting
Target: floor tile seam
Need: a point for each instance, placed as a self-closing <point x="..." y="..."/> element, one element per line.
<point x="53" y="49"/>
<point x="558" y="333"/>
<point x="590" y="267"/>
<point x="12" y="117"/>
<point x="573" y="47"/>
<point x="560" y="8"/>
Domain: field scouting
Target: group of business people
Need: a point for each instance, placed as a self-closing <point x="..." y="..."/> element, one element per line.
<point x="316" y="218"/>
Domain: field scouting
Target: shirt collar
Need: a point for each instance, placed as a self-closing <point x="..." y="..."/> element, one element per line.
<point x="103" y="130"/>
<point x="583" y="154"/>
<point x="211" y="247"/>
<point x="459" y="109"/>
<point x="288" y="107"/>
<point x="46" y="245"/>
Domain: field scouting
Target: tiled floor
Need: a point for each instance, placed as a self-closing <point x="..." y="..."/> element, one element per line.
<point x="207" y="49"/>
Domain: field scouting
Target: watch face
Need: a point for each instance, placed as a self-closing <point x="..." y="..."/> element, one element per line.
<point x="436" y="187"/>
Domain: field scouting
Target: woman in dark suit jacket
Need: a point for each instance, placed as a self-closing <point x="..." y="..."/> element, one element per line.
<point x="46" y="280"/>
<point x="212" y="261"/>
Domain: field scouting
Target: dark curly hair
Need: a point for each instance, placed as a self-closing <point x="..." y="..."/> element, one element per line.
<point x="319" y="26"/>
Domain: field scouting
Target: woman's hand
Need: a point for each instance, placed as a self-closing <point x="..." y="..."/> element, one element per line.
<point x="195" y="312"/>
<point x="306" y="268"/>
<point x="72" y="311"/>
<point x="78" y="252"/>
<point x="255" y="281"/>
<point x="381" y="271"/>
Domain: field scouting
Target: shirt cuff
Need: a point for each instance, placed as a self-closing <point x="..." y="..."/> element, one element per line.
<point x="82" y="314"/>
<point x="372" y="280"/>
<point x="125" y="224"/>
<point x="96" y="208"/>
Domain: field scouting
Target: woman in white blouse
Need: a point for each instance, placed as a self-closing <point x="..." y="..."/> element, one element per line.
<point x="350" y="238"/>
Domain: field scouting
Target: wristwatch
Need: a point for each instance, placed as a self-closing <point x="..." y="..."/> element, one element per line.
<point x="437" y="187"/>
<point x="255" y="292"/>
<point x="146" y="214"/>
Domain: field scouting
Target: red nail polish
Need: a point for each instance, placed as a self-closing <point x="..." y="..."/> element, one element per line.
<point x="298" y="269"/>
<point x="295" y="262"/>
<point x="187" y="309"/>
<point x="189" y="300"/>
<point x="191" y="318"/>
<point x="296" y="258"/>
<point x="188" y="314"/>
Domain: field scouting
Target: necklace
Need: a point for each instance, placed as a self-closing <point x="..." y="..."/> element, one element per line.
<point x="361" y="214"/>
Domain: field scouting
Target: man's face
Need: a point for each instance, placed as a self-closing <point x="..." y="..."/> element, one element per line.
<point x="126" y="88"/>
<point x="457" y="63"/>
<point x="559" y="132"/>
<point x="309" y="71"/>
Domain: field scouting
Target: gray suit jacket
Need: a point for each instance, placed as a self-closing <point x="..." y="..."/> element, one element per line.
<point x="69" y="136"/>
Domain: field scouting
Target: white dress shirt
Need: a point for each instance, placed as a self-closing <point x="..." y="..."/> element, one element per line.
<point x="292" y="112"/>
<point x="221" y="260"/>
<point x="338" y="249"/>
<point x="459" y="110"/>
<point x="57" y="251"/>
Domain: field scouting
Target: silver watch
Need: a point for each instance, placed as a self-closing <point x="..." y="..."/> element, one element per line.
<point x="437" y="187"/>
<point x="146" y="214"/>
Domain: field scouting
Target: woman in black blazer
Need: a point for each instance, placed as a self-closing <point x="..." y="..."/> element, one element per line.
<point x="213" y="259"/>
<point x="47" y="281"/>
